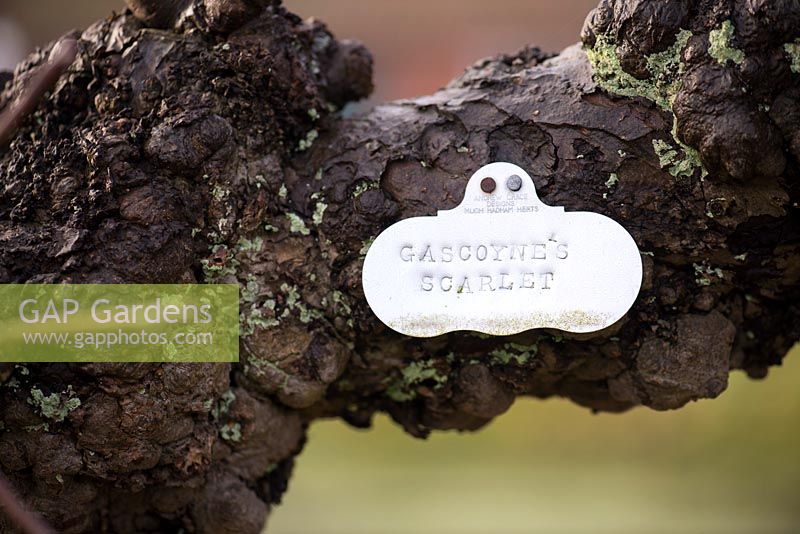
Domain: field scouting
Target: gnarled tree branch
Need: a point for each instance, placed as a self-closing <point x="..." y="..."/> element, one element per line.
<point x="212" y="150"/>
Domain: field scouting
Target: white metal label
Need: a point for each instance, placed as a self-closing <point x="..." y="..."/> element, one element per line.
<point x="500" y="263"/>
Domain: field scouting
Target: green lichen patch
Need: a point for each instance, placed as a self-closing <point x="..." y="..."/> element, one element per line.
<point x="715" y="207"/>
<point x="613" y="180"/>
<point x="420" y="371"/>
<point x="342" y="303"/>
<point x="670" y="159"/>
<point x="664" y="68"/>
<point x="12" y="383"/>
<point x="402" y="389"/>
<point x="793" y="51"/>
<point x="297" y="225"/>
<point x="398" y="393"/>
<point x="719" y="45"/>
<point x="223" y="405"/>
<point x="319" y="210"/>
<point x="308" y="142"/>
<point x="365" y="245"/>
<point x="250" y="289"/>
<point x="363" y="187"/>
<point x="56" y="406"/>
<point x="250" y="245"/>
<point x="291" y="294"/>
<point x="704" y="274"/>
<point x="223" y="262"/>
<point x="258" y="317"/>
<point x="231" y="432"/>
<point x="293" y="303"/>
<point x="679" y="163"/>
<point x="308" y="314"/>
<point x="520" y="354"/>
<point x="220" y="193"/>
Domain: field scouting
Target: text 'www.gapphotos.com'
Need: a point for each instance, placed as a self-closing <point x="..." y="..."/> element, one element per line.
<point x="109" y="340"/>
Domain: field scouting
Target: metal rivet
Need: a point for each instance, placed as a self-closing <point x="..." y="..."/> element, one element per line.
<point x="488" y="185"/>
<point x="514" y="183"/>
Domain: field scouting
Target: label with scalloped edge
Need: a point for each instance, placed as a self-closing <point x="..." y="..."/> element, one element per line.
<point x="500" y="263"/>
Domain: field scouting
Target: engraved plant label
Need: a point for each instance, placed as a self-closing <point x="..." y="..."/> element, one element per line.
<point x="500" y="263"/>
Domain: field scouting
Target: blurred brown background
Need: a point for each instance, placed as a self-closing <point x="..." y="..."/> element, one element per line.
<point x="419" y="45"/>
<point x="731" y="465"/>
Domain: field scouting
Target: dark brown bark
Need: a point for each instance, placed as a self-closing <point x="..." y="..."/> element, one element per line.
<point x="214" y="152"/>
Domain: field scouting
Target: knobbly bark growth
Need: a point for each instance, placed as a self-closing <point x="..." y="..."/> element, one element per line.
<point x="205" y="142"/>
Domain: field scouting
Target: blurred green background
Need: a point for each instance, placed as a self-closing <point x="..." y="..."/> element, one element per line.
<point x="729" y="465"/>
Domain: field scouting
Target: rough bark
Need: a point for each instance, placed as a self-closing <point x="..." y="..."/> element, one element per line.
<point x="214" y="150"/>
